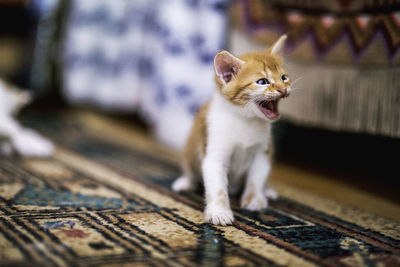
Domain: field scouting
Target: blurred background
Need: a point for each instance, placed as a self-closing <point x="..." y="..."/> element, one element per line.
<point x="150" y="62"/>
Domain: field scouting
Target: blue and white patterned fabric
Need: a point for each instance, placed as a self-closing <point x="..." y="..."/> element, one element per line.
<point x="151" y="56"/>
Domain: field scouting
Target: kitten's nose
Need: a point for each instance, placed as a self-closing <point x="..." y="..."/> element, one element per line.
<point x="282" y="90"/>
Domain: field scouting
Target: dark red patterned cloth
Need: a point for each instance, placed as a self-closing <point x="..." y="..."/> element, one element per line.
<point x="368" y="30"/>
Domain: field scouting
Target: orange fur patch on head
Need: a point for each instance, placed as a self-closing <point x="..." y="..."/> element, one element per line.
<point x="256" y="66"/>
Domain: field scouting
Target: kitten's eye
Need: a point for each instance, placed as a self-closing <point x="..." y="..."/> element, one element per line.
<point x="284" y="78"/>
<point x="263" y="81"/>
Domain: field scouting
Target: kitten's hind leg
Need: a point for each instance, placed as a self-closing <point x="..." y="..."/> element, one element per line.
<point x="184" y="183"/>
<point x="270" y="193"/>
<point x="187" y="182"/>
<point x="190" y="161"/>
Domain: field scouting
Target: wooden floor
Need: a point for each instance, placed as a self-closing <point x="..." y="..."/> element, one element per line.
<point x="329" y="186"/>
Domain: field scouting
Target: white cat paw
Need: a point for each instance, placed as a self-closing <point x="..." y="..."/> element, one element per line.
<point x="254" y="202"/>
<point x="182" y="184"/>
<point x="30" y="144"/>
<point x="218" y="215"/>
<point x="271" y="194"/>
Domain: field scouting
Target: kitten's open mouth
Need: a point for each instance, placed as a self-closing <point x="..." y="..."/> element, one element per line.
<point x="269" y="108"/>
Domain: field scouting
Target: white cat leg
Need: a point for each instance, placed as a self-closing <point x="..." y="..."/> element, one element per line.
<point x="31" y="144"/>
<point x="24" y="141"/>
<point x="218" y="209"/>
<point x="253" y="197"/>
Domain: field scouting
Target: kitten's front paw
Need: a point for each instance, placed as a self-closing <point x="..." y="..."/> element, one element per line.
<point x="218" y="215"/>
<point x="183" y="183"/>
<point x="254" y="202"/>
<point x="31" y="144"/>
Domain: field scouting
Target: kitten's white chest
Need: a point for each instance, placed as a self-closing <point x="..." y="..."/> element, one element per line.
<point x="228" y="125"/>
<point x="241" y="160"/>
<point x="239" y="136"/>
<point x="250" y="133"/>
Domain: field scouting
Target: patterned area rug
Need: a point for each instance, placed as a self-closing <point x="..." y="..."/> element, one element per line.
<point x="104" y="200"/>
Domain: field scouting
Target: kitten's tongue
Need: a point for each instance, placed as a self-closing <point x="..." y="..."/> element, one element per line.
<point x="269" y="109"/>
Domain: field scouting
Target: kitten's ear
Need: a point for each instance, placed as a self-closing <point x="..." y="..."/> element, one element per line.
<point x="277" y="47"/>
<point x="226" y="66"/>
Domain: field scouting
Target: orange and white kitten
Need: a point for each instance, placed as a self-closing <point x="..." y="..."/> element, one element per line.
<point x="231" y="136"/>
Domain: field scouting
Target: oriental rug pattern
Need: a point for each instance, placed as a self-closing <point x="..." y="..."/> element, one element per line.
<point x="104" y="199"/>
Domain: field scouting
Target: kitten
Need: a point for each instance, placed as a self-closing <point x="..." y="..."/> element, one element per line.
<point x="231" y="136"/>
<point x="14" y="137"/>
